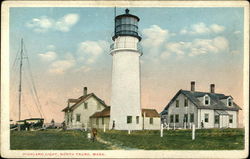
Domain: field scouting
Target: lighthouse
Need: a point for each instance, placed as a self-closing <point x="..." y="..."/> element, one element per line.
<point x="125" y="96"/>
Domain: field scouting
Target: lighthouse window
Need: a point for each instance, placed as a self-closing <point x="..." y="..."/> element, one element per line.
<point x="118" y="22"/>
<point x="129" y="119"/>
<point x="123" y="20"/>
<point x="127" y="20"/>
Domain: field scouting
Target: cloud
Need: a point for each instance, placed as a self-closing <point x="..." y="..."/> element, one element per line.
<point x="201" y="29"/>
<point x="61" y="66"/>
<point x="196" y="47"/>
<point x="204" y="46"/>
<point x="44" y="23"/>
<point x="48" y="56"/>
<point x="65" y="23"/>
<point x="154" y="36"/>
<point x="217" y="28"/>
<point x="41" y="24"/>
<point x="90" y="51"/>
<point x="153" y="42"/>
<point x="178" y="47"/>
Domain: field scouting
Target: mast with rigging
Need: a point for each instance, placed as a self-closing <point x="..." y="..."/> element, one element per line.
<point x="20" y="81"/>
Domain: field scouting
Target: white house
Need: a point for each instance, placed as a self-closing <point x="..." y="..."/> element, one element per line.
<point x="78" y="112"/>
<point x="204" y="109"/>
<point x="89" y="111"/>
<point x="150" y="119"/>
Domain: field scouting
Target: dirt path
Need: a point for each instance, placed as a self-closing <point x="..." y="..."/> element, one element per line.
<point x="114" y="146"/>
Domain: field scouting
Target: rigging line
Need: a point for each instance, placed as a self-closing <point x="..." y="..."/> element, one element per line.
<point x="32" y="81"/>
<point x="34" y="88"/>
<point x="16" y="57"/>
<point x="32" y="94"/>
<point x="24" y="104"/>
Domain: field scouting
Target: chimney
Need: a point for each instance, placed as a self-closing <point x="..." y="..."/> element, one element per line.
<point x="212" y="87"/>
<point x="192" y="85"/>
<point x="85" y="91"/>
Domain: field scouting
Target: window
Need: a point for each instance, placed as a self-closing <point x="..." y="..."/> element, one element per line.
<point x="98" y="106"/>
<point x="68" y="118"/>
<point x="85" y="105"/>
<point x="102" y="120"/>
<point x="206" y="118"/>
<point x="185" y="102"/>
<point x="129" y="119"/>
<point x="177" y="103"/>
<point x="230" y="118"/>
<point x="177" y="118"/>
<point x="78" y="117"/>
<point x="97" y="121"/>
<point x="71" y="117"/>
<point x="171" y="118"/>
<point x="151" y="120"/>
<point x="216" y="119"/>
<point x="206" y="100"/>
<point x="229" y="102"/>
<point x="137" y="119"/>
<point x="185" y="119"/>
<point x="191" y="118"/>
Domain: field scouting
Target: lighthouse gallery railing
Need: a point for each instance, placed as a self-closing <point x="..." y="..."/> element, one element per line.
<point x="126" y="45"/>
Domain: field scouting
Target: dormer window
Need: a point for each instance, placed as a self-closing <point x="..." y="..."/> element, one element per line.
<point x="206" y="100"/>
<point x="229" y="102"/>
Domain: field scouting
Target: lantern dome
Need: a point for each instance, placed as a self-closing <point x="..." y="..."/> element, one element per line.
<point x="126" y="25"/>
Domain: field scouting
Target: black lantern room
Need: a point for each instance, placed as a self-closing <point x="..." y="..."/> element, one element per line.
<point x="126" y="25"/>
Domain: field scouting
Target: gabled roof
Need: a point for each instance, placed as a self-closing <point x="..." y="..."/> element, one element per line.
<point x="215" y="100"/>
<point x="150" y="113"/>
<point x="82" y="99"/>
<point x="106" y="113"/>
<point x="73" y="100"/>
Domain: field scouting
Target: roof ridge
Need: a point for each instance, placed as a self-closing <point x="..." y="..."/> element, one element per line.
<point x="205" y="92"/>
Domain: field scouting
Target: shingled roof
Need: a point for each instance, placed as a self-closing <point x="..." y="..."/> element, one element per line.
<point x="215" y="100"/>
<point x="150" y="113"/>
<point x="82" y="99"/>
<point x="106" y="113"/>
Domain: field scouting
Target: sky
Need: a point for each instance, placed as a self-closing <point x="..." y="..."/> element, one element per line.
<point x="68" y="48"/>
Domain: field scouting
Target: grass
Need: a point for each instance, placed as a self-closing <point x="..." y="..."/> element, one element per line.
<point x="53" y="140"/>
<point x="206" y="139"/>
<point x="209" y="139"/>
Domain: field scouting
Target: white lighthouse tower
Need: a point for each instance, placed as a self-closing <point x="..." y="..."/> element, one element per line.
<point x="125" y="97"/>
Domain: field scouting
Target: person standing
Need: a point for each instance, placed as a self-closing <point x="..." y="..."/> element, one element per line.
<point x="202" y="124"/>
<point x="113" y="126"/>
<point x="94" y="134"/>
